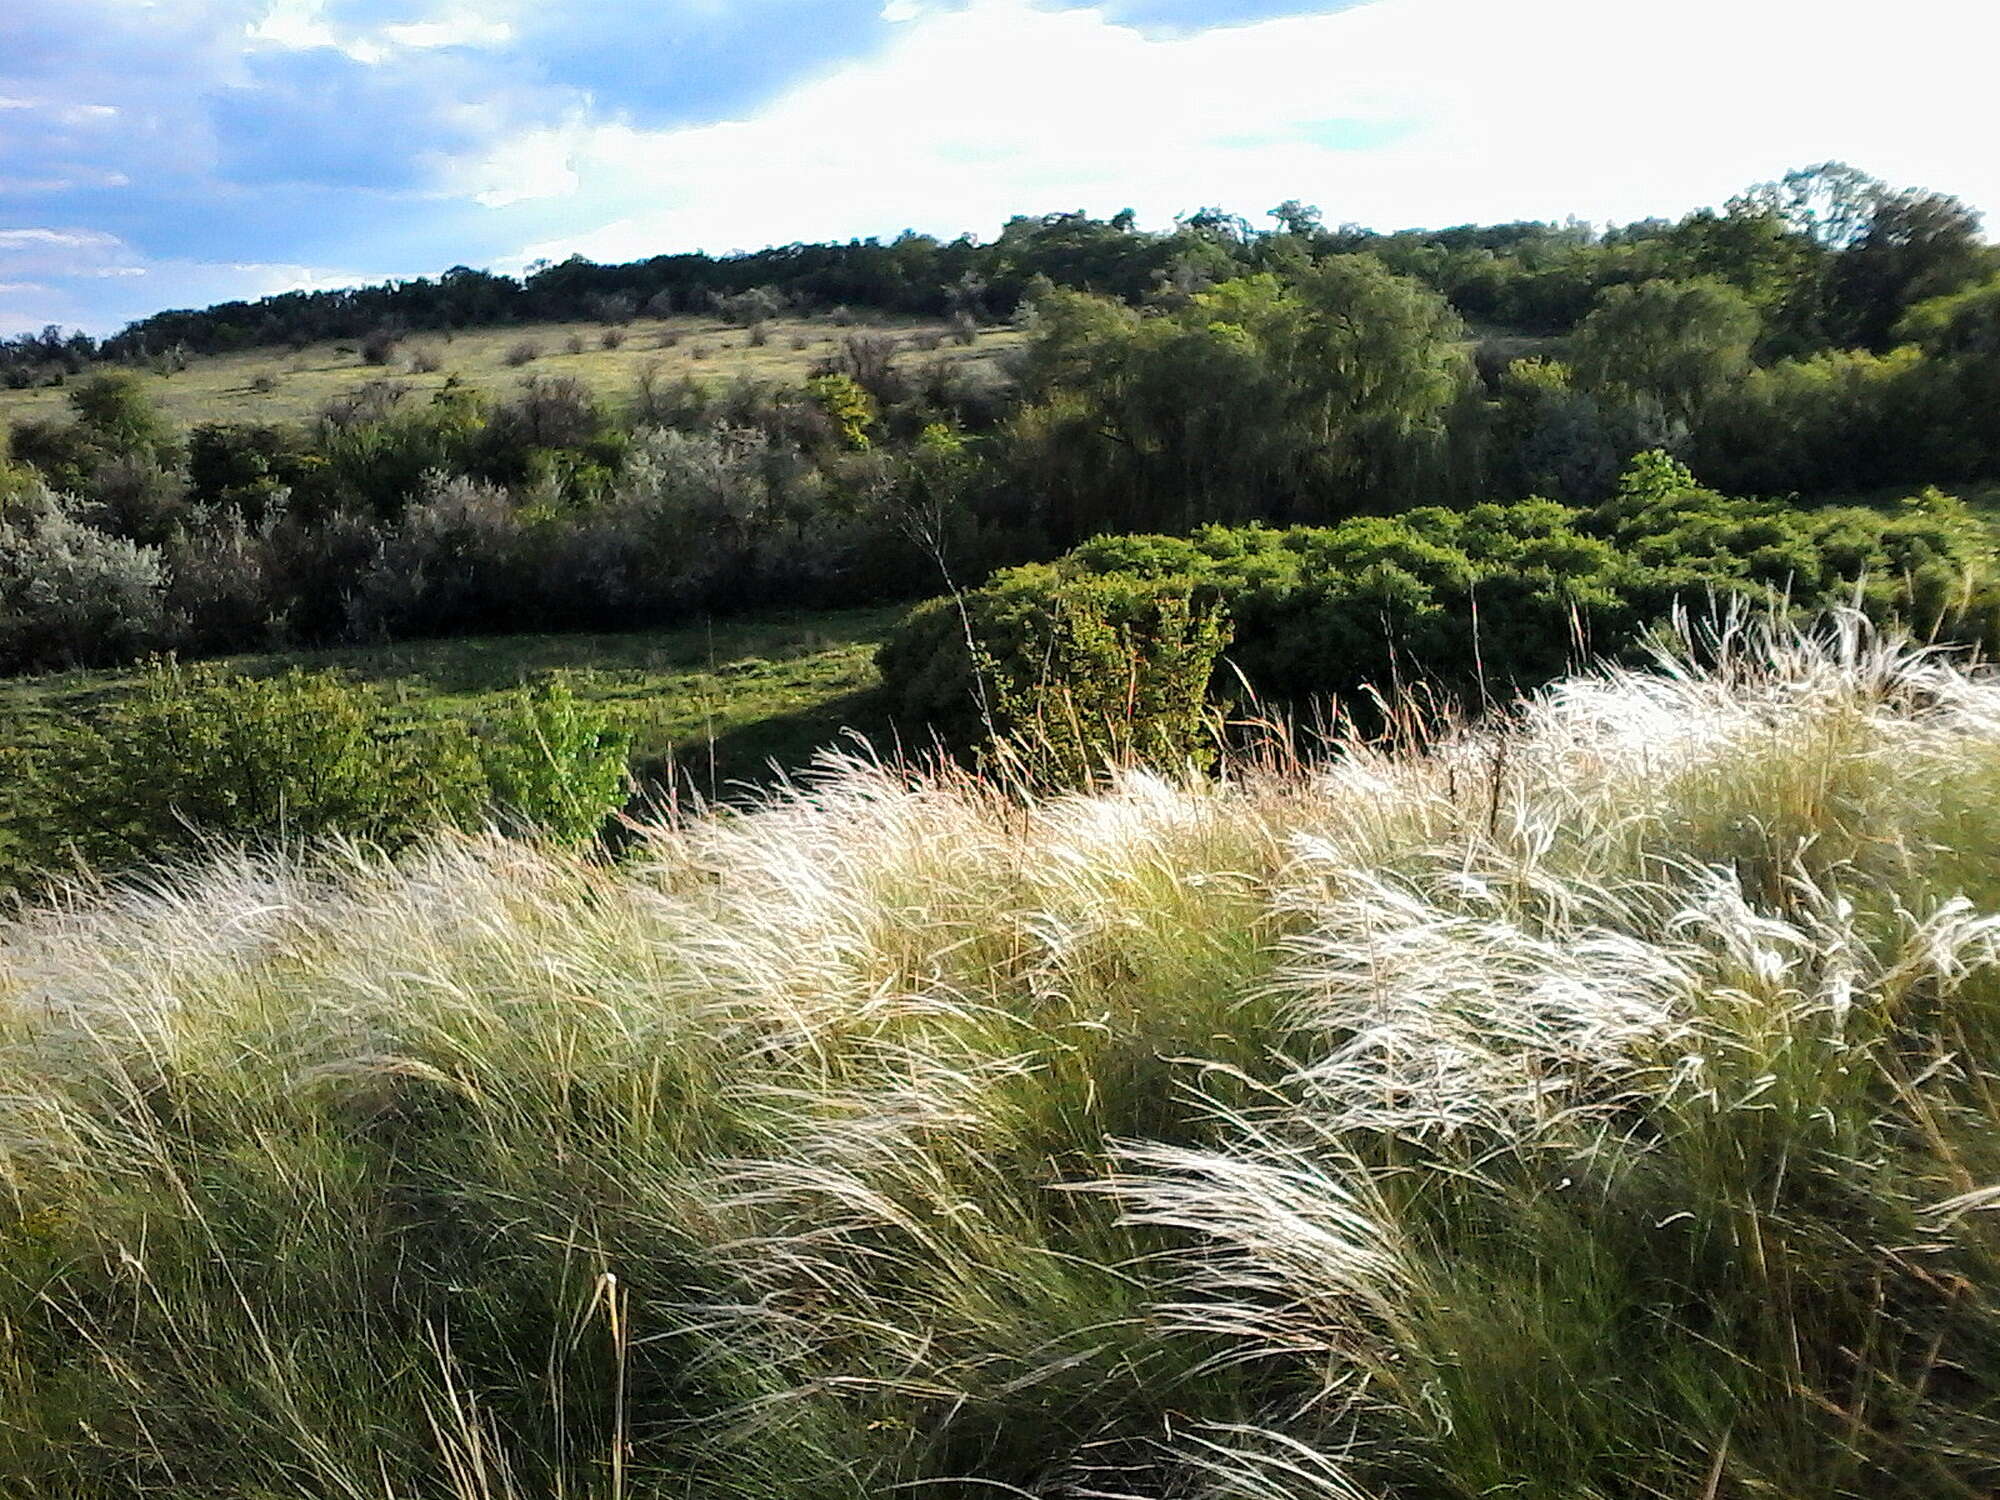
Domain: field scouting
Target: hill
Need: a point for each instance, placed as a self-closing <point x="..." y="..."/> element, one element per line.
<point x="287" y="385"/>
<point x="1598" y="1104"/>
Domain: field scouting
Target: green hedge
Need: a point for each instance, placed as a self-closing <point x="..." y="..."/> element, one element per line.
<point x="1477" y="603"/>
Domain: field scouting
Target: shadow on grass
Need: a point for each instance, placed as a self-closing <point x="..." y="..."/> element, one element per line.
<point x="740" y="764"/>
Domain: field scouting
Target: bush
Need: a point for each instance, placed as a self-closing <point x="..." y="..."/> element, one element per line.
<point x="197" y="754"/>
<point x="1118" y="685"/>
<point x="554" y="765"/>
<point x="453" y="562"/>
<point x="751" y="308"/>
<point x="1474" y="605"/>
<point x="379" y="347"/>
<point x="71" y="595"/>
<point x="526" y="352"/>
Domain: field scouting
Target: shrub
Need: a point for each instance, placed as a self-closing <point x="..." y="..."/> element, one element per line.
<point x="612" y="338"/>
<point x="554" y="765"/>
<point x="526" y="352"/>
<point x="1475" y="605"/>
<point x="425" y="361"/>
<point x="197" y="754"/>
<point x="222" y="592"/>
<point x="244" y="466"/>
<point x="751" y="308"/>
<point x="614" y="308"/>
<point x="454" y="561"/>
<point x="71" y="595"/>
<point x="1121" y="681"/>
<point x="847" y="405"/>
<point x="379" y="347"/>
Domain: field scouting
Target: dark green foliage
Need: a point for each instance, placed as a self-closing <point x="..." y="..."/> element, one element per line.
<point x="1070" y="674"/>
<point x="247" y="466"/>
<point x="1258" y="400"/>
<point x="1680" y="344"/>
<point x="1210" y="374"/>
<point x="1475" y="605"/>
<point x="1917" y="246"/>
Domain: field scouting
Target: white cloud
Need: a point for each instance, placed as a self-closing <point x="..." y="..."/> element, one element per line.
<point x="461" y="29"/>
<point x="302" y="25"/>
<point x="1452" y="110"/>
<point x="56" y="239"/>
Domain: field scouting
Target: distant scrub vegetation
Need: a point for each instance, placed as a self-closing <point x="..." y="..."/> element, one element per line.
<point x="1821" y="334"/>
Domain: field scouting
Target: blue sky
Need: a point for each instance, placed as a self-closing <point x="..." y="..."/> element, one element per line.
<point x="158" y="153"/>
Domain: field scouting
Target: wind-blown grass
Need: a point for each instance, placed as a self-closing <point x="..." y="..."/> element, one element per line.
<point x="1602" y="1104"/>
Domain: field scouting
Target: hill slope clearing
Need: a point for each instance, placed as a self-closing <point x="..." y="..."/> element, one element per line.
<point x="286" y="385"/>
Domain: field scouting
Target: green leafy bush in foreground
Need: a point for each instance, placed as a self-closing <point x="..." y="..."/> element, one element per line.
<point x="196" y="755"/>
<point x="1599" y="1105"/>
<point x="1471" y="605"/>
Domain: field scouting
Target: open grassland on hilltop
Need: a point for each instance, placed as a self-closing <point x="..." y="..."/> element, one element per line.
<point x="1600" y="1104"/>
<point x="284" y="385"/>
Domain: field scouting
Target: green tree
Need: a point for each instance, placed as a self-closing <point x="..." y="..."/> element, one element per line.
<point x="1916" y="246"/>
<point x="1262" y="399"/>
<point x="1680" y="343"/>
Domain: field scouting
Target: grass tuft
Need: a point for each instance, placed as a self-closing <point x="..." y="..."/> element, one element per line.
<point x="1600" y="1103"/>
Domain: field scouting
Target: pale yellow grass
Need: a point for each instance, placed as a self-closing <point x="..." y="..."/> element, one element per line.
<point x="283" y="385"/>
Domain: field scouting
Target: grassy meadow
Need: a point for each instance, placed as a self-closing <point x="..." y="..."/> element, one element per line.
<point x="284" y="385"/>
<point x="1601" y="1103"/>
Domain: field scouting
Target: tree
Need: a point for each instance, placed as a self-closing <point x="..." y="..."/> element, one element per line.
<point x="1830" y="204"/>
<point x="1917" y="245"/>
<point x="1681" y="343"/>
<point x="1778" y="268"/>
<point x="1260" y="399"/>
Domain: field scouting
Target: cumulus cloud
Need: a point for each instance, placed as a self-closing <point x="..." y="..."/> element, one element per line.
<point x="213" y="139"/>
<point x="1396" y="113"/>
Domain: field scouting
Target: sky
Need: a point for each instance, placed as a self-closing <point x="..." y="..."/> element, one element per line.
<point x="174" y="153"/>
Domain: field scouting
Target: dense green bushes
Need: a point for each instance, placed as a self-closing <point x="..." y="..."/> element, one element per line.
<point x="195" y="755"/>
<point x="1470" y="604"/>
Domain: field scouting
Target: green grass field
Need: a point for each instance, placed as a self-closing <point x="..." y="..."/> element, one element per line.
<point x="282" y="385"/>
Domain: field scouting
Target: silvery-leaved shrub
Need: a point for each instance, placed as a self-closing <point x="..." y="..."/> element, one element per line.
<point x="71" y="595"/>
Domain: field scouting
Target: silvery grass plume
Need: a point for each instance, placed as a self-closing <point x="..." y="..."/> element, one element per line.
<point x="1596" y="1101"/>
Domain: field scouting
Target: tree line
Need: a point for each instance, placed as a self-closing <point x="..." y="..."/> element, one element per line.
<point x="1829" y="256"/>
